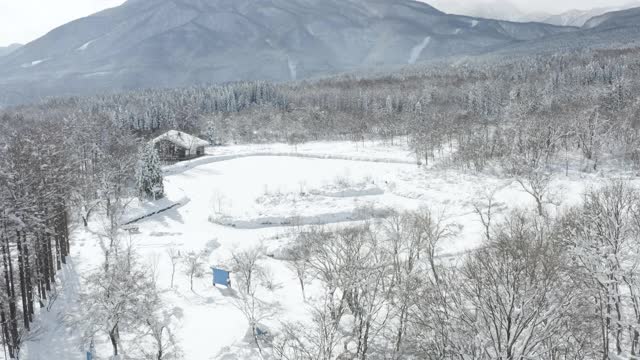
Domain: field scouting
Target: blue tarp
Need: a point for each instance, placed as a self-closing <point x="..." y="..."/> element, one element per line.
<point x="220" y="277"/>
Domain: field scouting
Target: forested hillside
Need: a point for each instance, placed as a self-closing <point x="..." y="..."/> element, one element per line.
<point x="486" y="110"/>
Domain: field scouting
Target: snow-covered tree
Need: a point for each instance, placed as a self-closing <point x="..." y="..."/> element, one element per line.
<point x="117" y="298"/>
<point x="149" y="180"/>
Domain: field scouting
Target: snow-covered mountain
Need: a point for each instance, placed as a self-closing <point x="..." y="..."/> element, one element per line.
<point x="6" y="50"/>
<point x="505" y="10"/>
<point x="615" y="20"/>
<point x="496" y="9"/>
<point x="620" y="29"/>
<point x="580" y="17"/>
<point x="165" y="43"/>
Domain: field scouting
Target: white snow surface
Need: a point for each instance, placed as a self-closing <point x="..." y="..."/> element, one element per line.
<point x="417" y="50"/>
<point x="97" y="73"/>
<point x="293" y="66"/>
<point x="86" y="45"/>
<point x="249" y="186"/>
<point x="33" y="63"/>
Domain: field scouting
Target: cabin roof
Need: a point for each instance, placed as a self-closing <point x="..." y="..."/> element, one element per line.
<point x="181" y="139"/>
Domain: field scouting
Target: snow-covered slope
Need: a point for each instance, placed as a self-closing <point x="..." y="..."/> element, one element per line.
<point x="501" y="10"/>
<point x="616" y="19"/>
<point x="6" y="50"/>
<point x="579" y="18"/>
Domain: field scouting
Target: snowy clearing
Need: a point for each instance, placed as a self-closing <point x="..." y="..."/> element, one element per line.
<point x="240" y="197"/>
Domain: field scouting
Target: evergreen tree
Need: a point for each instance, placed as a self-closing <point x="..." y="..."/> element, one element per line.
<point x="149" y="173"/>
<point x="211" y="131"/>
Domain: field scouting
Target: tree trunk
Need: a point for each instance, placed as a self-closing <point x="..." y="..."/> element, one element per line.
<point x="113" y="336"/>
<point x="23" y="283"/>
<point x="11" y="296"/>
<point x="304" y="298"/>
<point x="401" y="326"/>
<point x="173" y="273"/>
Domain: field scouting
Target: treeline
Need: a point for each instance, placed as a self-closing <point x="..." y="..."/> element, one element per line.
<point x="525" y="109"/>
<point x="54" y="171"/>
<point x="35" y="184"/>
<point x="538" y="287"/>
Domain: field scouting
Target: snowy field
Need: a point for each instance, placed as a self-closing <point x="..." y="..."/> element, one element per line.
<point x="244" y="196"/>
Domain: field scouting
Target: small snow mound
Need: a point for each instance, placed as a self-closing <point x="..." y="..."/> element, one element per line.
<point x="474" y="23"/>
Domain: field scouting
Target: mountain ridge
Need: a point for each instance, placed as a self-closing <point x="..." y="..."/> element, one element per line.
<point x="6" y="50"/>
<point x="168" y="43"/>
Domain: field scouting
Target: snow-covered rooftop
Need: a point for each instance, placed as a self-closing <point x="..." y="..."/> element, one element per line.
<point x="181" y="139"/>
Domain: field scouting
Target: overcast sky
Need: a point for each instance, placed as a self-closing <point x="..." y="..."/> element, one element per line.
<point x="24" y="20"/>
<point x="548" y="6"/>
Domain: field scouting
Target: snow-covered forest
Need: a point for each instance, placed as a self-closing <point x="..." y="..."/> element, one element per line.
<point x="503" y="221"/>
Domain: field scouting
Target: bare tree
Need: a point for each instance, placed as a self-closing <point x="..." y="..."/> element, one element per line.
<point x="246" y="268"/>
<point x="535" y="182"/>
<point x="515" y="286"/>
<point x="193" y="263"/>
<point x="486" y="207"/>
<point x="174" y="256"/>
<point x="298" y="256"/>
<point x="158" y="328"/>
<point x="602" y="234"/>
<point x="320" y="341"/>
<point x="412" y="240"/>
<point x="250" y="275"/>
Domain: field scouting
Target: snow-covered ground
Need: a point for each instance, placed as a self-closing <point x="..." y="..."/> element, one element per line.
<point x="244" y="196"/>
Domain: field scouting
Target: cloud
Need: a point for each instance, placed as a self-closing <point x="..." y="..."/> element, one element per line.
<point x="547" y="6"/>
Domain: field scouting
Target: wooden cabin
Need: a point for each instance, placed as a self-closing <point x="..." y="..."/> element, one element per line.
<point x="174" y="146"/>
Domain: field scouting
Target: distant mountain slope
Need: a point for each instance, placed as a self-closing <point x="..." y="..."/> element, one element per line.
<point x="579" y="17"/>
<point x="495" y="9"/>
<point x="6" y="50"/>
<point x="574" y="17"/>
<point x="165" y="43"/>
<point x="507" y="10"/>
<point x="612" y="30"/>
<point x="617" y="19"/>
